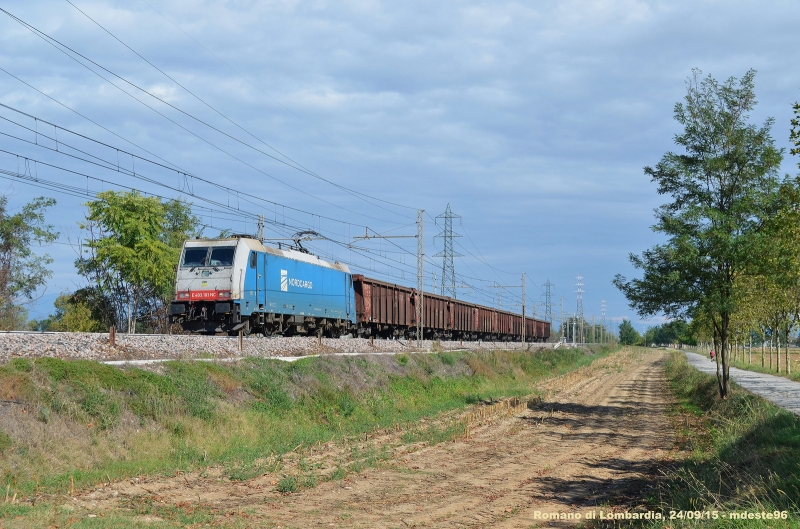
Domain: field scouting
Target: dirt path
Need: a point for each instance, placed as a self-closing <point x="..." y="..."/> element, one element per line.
<point x="596" y="439"/>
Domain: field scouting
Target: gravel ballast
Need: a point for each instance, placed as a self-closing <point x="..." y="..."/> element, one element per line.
<point x="96" y="346"/>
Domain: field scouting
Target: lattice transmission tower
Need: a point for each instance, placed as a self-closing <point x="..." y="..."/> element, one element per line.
<point x="447" y="255"/>
<point x="579" y="308"/>
<point x="548" y="303"/>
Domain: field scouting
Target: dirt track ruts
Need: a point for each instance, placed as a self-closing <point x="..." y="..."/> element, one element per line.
<point x="595" y="440"/>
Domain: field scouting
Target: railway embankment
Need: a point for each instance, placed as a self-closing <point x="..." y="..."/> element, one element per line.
<point x="68" y="425"/>
<point x="96" y="346"/>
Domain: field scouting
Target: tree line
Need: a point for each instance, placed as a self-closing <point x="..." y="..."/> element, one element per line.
<point x="127" y="256"/>
<point x="731" y="261"/>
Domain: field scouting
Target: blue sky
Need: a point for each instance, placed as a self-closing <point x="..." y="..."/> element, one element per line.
<point x="532" y="120"/>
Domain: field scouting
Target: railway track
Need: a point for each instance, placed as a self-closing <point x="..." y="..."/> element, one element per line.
<point x="128" y="347"/>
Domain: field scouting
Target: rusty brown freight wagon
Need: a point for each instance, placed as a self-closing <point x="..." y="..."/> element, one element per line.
<point x="389" y="310"/>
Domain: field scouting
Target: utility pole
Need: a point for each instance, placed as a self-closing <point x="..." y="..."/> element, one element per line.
<point x="603" y="319"/>
<point x="579" y="308"/>
<point x="573" y="331"/>
<point x="594" y="331"/>
<point x="420" y="236"/>
<point x="561" y="315"/>
<point x="447" y="255"/>
<point x="500" y="299"/>
<point x="524" y="322"/>
<point x="420" y="272"/>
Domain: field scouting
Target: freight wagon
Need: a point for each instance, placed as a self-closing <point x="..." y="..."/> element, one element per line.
<point x="228" y="285"/>
<point x="388" y="310"/>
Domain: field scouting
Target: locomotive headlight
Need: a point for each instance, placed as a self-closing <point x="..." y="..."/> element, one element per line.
<point x="224" y="294"/>
<point x="183" y="295"/>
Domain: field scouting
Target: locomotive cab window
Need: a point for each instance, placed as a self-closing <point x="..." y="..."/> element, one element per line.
<point x="253" y="257"/>
<point x="222" y="256"/>
<point x="194" y="257"/>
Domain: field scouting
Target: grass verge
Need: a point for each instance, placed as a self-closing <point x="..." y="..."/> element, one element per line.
<point x="756" y="366"/>
<point x="743" y="455"/>
<point x="68" y="425"/>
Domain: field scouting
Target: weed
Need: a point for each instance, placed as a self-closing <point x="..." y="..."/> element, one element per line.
<point x="287" y="484"/>
<point x="339" y="474"/>
<point x="5" y="441"/>
<point x="246" y="471"/>
<point x="402" y="360"/>
<point x="22" y="365"/>
<point x="309" y="481"/>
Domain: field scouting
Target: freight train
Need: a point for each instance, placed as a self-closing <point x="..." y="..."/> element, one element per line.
<point x="238" y="284"/>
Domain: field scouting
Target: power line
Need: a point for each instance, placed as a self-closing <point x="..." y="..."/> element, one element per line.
<point x="115" y="167"/>
<point x="262" y="91"/>
<point x="297" y="165"/>
<point x="58" y="45"/>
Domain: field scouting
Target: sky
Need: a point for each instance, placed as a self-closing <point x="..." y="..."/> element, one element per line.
<point x="533" y="121"/>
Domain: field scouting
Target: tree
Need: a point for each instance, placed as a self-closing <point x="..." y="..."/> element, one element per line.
<point x="722" y="188"/>
<point x="22" y="272"/>
<point x="627" y="334"/>
<point x="72" y="315"/>
<point x="131" y="255"/>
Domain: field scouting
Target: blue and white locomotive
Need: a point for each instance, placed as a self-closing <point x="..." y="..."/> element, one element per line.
<point x="228" y="285"/>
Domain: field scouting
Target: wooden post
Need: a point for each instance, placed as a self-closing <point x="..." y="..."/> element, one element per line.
<point x="112" y="335"/>
<point x="241" y="337"/>
<point x="319" y="338"/>
<point x="371" y="340"/>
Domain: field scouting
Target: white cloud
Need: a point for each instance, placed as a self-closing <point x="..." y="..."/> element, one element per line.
<point x="534" y="119"/>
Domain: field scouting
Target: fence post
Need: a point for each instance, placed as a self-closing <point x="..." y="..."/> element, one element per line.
<point x="112" y="335"/>
<point x="241" y="336"/>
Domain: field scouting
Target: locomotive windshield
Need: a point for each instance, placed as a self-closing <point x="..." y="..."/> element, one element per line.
<point x="193" y="257"/>
<point x="222" y="256"/>
<point x="201" y="256"/>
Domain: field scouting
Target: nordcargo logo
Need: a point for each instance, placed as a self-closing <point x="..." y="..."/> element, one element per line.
<point x="299" y="283"/>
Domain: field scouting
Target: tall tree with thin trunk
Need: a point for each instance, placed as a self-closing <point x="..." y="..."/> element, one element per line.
<point x="131" y="254"/>
<point x="22" y="272"/>
<point x="722" y="187"/>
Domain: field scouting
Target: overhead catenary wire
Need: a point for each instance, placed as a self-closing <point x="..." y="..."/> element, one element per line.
<point x="296" y="165"/>
<point x="58" y="45"/>
<point x="251" y="83"/>
<point x="112" y="166"/>
<point x="281" y="228"/>
<point x="365" y="250"/>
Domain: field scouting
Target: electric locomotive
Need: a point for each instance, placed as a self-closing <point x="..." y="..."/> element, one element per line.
<point x="237" y="283"/>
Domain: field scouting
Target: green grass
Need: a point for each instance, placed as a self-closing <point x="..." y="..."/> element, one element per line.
<point x="106" y="423"/>
<point x="744" y="453"/>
